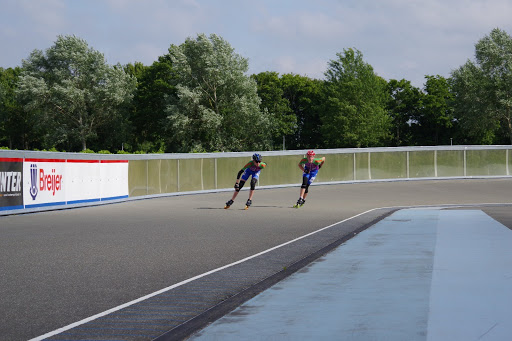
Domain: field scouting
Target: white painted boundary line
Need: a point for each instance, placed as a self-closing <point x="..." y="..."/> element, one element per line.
<point x="91" y="318"/>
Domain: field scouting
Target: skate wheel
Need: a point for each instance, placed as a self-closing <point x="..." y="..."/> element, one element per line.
<point x="226" y="207"/>
<point x="246" y="207"/>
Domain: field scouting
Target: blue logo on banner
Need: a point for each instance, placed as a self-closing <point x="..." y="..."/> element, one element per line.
<point x="33" y="181"/>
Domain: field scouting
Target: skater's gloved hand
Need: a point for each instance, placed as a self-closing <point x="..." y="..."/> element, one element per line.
<point x="237" y="185"/>
<point x="306" y="171"/>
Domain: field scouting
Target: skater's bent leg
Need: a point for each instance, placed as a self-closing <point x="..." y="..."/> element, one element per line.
<point x="240" y="186"/>
<point x="306" y="190"/>
<point x="253" y="183"/>
<point x="302" y="190"/>
<point x="234" y="195"/>
<point x="304" y="186"/>
<point x="253" y="187"/>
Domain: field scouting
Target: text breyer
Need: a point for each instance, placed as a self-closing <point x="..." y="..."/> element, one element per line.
<point x="50" y="182"/>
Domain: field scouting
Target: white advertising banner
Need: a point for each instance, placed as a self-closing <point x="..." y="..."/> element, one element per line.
<point x="62" y="182"/>
<point x="114" y="179"/>
<point x="83" y="181"/>
<point x="44" y="182"/>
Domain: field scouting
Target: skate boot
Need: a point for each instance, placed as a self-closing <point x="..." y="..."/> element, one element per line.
<point x="303" y="202"/>
<point x="299" y="203"/>
<point x="229" y="203"/>
<point x="248" y="203"/>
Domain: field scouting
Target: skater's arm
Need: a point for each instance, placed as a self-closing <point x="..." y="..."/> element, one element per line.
<point x="239" y="175"/>
<point x="322" y="163"/>
<point x="301" y="164"/>
<point x="249" y="164"/>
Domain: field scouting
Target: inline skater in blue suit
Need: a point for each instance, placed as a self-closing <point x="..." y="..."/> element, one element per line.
<point x="251" y="169"/>
<point x="309" y="167"/>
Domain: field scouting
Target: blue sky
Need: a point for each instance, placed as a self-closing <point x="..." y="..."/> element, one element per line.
<point x="399" y="38"/>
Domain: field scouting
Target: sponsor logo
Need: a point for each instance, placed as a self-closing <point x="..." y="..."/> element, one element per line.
<point x="33" y="181"/>
<point x="10" y="182"/>
<point x="50" y="182"/>
<point x="43" y="182"/>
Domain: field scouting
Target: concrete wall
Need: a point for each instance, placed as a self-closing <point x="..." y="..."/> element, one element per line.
<point x="161" y="174"/>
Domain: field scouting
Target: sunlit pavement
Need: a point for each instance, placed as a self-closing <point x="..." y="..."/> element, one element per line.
<point x="419" y="274"/>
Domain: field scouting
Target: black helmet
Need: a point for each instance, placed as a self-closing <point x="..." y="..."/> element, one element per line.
<point x="256" y="157"/>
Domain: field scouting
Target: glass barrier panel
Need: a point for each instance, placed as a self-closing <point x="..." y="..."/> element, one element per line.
<point x="137" y="178"/>
<point x="388" y="165"/>
<point x="421" y="164"/>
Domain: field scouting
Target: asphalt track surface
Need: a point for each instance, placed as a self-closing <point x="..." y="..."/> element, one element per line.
<point x="60" y="267"/>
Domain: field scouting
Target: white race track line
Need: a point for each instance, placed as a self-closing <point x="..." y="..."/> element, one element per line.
<point x="122" y="306"/>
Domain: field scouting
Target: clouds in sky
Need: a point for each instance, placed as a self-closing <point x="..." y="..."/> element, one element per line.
<point x="399" y="38"/>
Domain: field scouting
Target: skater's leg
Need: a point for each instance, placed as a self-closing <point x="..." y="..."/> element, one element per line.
<point x="240" y="186"/>
<point x="304" y="186"/>
<point x="305" y="195"/>
<point x="307" y="179"/>
<point x="249" y="201"/>
<point x="306" y="190"/>
<point x="251" y="192"/>
<point x="302" y="191"/>
<point x="253" y="187"/>
<point x="234" y="195"/>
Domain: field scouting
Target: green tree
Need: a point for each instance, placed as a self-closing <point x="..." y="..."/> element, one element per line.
<point x="3" y="111"/>
<point x="75" y="88"/>
<point x="216" y="106"/>
<point x="305" y="96"/>
<point x="483" y="91"/>
<point x="155" y="85"/>
<point x="355" y="108"/>
<point x="270" y="91"/>
<point x="434" y="123"/>
<point x="18" y="129"/>
<point x="405" y="102"/>
<point x="136" y="69"/>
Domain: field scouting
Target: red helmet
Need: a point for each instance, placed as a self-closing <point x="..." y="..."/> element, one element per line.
<point x="312" y="153"/>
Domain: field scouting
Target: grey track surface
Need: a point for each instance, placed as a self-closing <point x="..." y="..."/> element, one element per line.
<point x="60" y="267"/>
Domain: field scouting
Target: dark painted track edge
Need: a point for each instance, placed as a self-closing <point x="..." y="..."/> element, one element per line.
<point x="199" y="322"/>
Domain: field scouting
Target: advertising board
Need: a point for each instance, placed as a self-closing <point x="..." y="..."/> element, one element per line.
<point x="44" y="182"/>
<point x="114" y="179"/>
<point x="50" y="182"/>
<point x="83" y="181"/>
<point x="11" y="183"/>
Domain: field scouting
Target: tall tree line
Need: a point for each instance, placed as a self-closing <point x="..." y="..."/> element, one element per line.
<point x="198" y="98"/>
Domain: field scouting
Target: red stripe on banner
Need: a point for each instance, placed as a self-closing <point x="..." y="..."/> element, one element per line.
<point x="83" y="161"/>
<point x="45" y="160"/>
<point x="3" y="159"/>
<point x="114" y="161"/>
